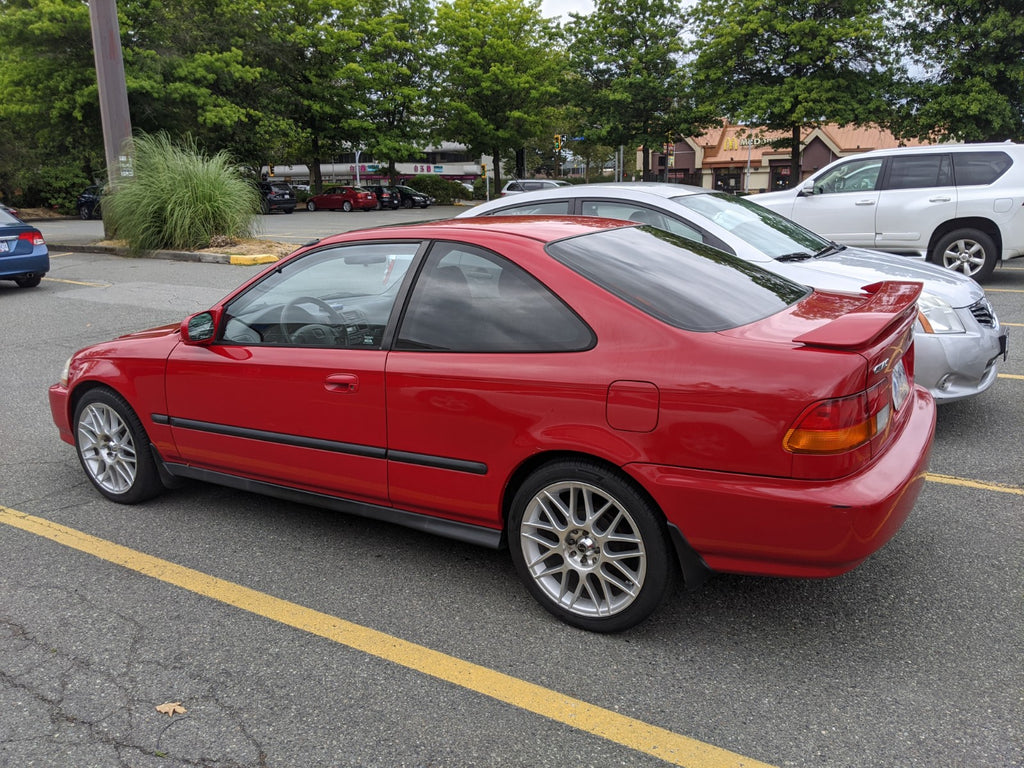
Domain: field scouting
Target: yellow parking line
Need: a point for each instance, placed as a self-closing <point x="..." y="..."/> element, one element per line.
<point x="964" y="483"/>
<point x="1009" y="376"/>
<point x="1004" y="290"/>
<point x="634" y="734"/>
<point x="76" y="282"/>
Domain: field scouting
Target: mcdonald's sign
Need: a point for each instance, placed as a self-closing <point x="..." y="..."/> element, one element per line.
<point x="732" y="143"/>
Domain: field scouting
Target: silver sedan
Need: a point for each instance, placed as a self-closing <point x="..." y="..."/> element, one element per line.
<point x="959" y="340"/>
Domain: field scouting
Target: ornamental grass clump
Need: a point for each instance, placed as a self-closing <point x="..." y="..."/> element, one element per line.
<point x="179" y="198"/>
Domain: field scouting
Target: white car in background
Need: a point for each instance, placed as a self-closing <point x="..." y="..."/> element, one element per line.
<point x="958" y="205"/>
<point x="959" y="340"/>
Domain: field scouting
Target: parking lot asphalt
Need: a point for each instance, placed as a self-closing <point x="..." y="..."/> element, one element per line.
<point x="297" y="228"/>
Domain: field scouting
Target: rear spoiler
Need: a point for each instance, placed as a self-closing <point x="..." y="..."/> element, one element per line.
<point x="889" y="305"/>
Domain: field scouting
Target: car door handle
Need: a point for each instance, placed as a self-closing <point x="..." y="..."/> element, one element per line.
<point x="940" y="199"/>
<point x="865" y="202"/>
<point x="342" y="382"/>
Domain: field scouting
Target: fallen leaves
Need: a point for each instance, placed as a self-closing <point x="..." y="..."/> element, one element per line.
<point x="171" y="709"/>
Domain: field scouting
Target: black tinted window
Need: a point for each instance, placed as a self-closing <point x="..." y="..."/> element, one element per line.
<point x="919" y="171"/>
<point x="681" y="282"/>
<point x="973" y="168"/>
<point x="470" y="300"/>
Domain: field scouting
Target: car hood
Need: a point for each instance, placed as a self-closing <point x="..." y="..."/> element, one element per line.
<point x="851" y="268"/>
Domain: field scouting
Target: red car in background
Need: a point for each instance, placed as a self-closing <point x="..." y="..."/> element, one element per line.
<point x="613" y="403"/>
<point x="343" y="199"/>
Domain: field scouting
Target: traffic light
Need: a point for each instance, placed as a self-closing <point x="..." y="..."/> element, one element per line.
<point x="483" y="169"/>
<point x="558" y="142"/>
<point x="270" y="170"/>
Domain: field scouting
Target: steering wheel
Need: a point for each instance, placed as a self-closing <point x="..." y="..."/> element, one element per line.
<point x="312" y="333"/>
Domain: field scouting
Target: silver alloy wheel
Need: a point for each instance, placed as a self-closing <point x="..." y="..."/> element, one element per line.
<point x="964" y="255"/>
<point x="107" y="448"/>
<point x="583" y="549"/>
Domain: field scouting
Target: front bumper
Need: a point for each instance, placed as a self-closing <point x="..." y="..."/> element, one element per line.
<point x="954" y="366"/>
<point x="798" y="528"/>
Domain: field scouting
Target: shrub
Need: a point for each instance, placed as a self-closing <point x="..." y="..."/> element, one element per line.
<point x="179" y="198"/>
<point x="444" y="191"/>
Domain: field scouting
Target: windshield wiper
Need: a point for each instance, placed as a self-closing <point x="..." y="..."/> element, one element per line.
<point x="829" y="249"/>
<point x="798" y="256"/>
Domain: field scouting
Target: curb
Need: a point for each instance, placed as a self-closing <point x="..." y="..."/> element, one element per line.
<point x="206" y="258"/>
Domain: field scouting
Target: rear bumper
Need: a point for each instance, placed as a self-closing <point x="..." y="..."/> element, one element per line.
<point x="798" y="528"/>
<point x="27" y="265"/>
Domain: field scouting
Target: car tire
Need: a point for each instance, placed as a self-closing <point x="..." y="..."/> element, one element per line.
<point x="407" y="203"/>
<point x="346" y="207"/>
<point x="578" y="533"/>
<point x="288" y="210"/>
<point x="378" y="206"/>
<point x="114" y="449"/>
<point x="84" y="213"/>
<point x="28" y="282"/>
<point x="968" y="251"/>
<point x="310" y="206"/>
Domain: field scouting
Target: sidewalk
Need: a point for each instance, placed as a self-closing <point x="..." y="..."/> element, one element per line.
<point x="86" y="236"/>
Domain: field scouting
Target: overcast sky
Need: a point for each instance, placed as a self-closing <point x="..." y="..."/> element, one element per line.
<point x="552" y="8"/>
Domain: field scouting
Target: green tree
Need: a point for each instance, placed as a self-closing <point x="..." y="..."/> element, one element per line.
<point x="498" y="72"/>
<point x="50" y="136"/>
<point x="968" y="70"/>
<point x="785" y="65"/>
<point x="393" y="78"/>
<point x="626" y="85"/>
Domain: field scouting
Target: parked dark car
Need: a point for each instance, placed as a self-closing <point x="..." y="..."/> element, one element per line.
<point x="387" y="197"/>
<point x="24" y="257"/>
<point x="277" y="196"/>
<point x="88" y="204"/>
<point x="410" y="198"/>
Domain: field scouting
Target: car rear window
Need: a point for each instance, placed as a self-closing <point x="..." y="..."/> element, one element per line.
<point x="974" y="168"/>
<point x="686" y="284"/>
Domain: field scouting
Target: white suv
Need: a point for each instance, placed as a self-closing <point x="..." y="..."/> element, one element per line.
<point x="959" y="205"/>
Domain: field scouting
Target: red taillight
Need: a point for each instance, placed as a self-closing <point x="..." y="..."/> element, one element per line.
<point x="843" y="424"/>
<point x="35" y="238"/>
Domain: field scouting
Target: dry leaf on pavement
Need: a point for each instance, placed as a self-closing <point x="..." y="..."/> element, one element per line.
<point x="171" y="708"/>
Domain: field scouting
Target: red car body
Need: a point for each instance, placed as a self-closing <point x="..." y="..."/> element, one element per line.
<point x="726" y="432"/>
<point x="342" y="199"/>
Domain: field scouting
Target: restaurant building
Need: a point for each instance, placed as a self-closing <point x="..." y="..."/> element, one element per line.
<point x="742" y="158"/>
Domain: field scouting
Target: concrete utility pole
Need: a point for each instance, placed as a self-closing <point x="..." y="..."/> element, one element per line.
<point x="117" y="123"/>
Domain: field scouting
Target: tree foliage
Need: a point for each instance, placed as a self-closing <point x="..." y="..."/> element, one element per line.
<point x="967" y="79"/>
<point x="786" y="65"/>
<point x="498" y="71"/>
<point x="393" y="79"/>
<point x="626" y="83"/>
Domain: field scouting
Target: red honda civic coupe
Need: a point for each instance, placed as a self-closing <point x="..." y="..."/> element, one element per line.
<point x="615" y="404"/>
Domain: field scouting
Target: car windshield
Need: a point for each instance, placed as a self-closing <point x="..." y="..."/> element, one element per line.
<point x="771" y="234"/>
<point x="681" y="282"/>
<point x="7" y="218"/>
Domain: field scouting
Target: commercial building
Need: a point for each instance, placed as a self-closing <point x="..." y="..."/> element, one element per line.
<point x="742" y="158"/>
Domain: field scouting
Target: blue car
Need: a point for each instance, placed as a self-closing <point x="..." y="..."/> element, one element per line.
<point x="23" y="254"/>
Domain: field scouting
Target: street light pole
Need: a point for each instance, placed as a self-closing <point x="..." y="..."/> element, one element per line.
<point x="113" y="90"/>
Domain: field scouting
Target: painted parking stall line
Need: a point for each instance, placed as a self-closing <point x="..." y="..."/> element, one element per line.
<point x="628" y="732"/>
